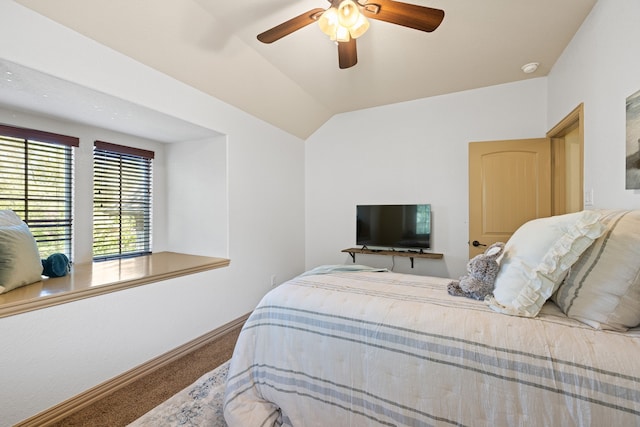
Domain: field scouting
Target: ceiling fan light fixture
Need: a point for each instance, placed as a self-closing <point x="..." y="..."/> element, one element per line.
<point x="344" y="22"/>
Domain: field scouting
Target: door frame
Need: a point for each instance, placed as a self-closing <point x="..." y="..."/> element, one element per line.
<point x="573" y="120"/>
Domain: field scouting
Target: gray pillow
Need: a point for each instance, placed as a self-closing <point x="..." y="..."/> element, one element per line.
<point x="20" y="262"/>
<point x="603" y="287"/>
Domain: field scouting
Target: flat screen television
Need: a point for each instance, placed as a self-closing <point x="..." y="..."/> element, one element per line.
<point x="394" y="226"/>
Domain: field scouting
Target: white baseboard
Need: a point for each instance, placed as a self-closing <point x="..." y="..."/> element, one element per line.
<point x="76" y="403"/>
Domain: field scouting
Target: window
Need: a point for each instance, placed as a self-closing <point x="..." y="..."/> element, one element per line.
<point x="36" y="180"/>
<point x="121" y="201"/>
<point x="423" y="219"/>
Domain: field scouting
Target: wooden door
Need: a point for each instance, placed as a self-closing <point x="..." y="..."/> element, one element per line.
<point x="509" y="184"/>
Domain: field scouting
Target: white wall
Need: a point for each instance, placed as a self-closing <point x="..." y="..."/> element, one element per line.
<point x="601" y="67"/>
<point x="197" y="190"/>
<point x="412" y="152"/>
<point x="53" y="354"/>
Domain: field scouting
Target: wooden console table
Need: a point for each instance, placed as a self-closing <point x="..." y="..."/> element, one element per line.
<point x="411" y="254"/>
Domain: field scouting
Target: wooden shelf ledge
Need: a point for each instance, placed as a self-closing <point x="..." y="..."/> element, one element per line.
<point x="402" y="253"/>
<point x="97" y="278"/>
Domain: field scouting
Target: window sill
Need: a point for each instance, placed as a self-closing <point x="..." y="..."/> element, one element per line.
<point x="93" y="279"/>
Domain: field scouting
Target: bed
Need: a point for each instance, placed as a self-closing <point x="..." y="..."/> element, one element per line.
<point x="369" y="348"/>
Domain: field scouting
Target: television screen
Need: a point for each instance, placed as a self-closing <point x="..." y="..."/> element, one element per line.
<point x="394" y="226"/>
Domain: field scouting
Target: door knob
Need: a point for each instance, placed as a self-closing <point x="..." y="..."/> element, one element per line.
<point x="476" y="243"/>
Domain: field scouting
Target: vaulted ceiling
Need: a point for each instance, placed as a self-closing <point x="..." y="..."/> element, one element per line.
<point x="295" y="83"/>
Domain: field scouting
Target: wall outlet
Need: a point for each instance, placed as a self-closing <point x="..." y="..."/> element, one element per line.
<point x="588" y="197"/>
<point x="273" y="281"/>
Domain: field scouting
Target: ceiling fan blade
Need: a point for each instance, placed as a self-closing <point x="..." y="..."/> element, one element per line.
<point x="408" y="15"/>
<point x="347" y="54"/>
<point x="288" y="27"/>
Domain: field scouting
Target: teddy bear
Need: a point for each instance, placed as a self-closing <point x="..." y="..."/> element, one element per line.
<point x="483" y="270"/>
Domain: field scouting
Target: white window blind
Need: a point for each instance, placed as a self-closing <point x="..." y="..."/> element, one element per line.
<point x="121" y="201"/>
<point x="36" y="181"/>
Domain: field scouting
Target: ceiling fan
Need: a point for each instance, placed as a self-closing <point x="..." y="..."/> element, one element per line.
<point x="346" y="20"/>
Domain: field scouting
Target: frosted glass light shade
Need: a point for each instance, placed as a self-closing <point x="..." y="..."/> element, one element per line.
<point x="342" y="34"/>
<point x="348" y="13"/>
<point x="328" y="22"/>
<point x="360" y="27"/>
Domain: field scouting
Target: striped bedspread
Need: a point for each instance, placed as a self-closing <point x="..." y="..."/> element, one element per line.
<point x="389" y="349"/>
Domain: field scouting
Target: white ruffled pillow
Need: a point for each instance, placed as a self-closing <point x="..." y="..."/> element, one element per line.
<point x="536" y="259"/>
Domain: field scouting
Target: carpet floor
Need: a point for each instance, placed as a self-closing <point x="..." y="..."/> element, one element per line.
<point x="127" y="404"/>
